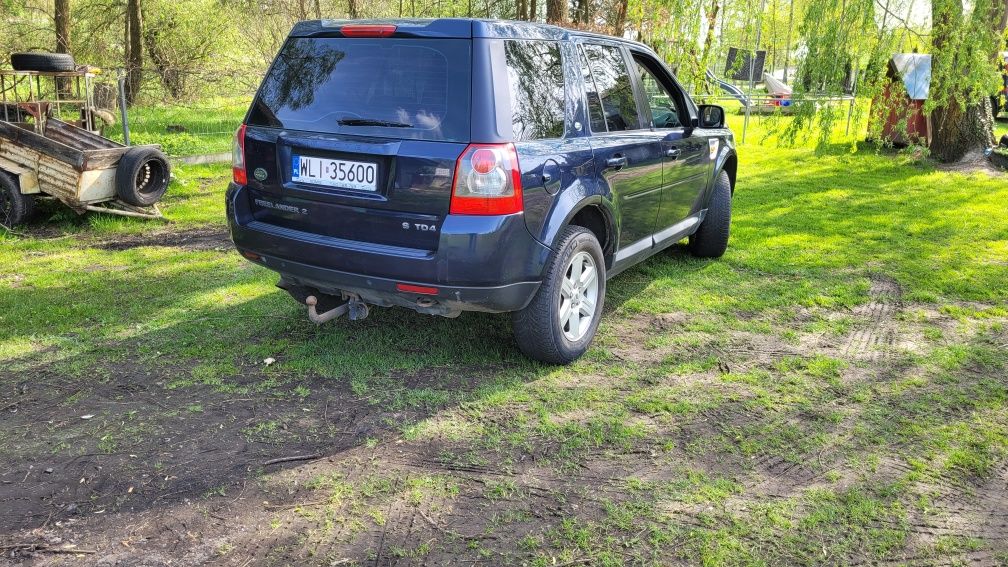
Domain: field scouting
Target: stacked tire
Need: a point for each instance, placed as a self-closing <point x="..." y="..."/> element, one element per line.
<point x="42" y="61"/>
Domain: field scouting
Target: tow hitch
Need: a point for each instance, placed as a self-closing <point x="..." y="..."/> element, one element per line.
<point x="353" y="305"/>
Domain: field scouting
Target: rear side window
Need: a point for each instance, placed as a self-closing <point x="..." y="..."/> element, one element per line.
<point x="536" y="80"/>
<point x="614" y="87"/>
<point x="389" y="87"/>
<point x="595" y="115"/>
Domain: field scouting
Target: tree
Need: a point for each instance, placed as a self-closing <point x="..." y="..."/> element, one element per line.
<point x="556" y="12"/>
<point x="619" y="24"/>
<point x="134" y="50"/>
<point x="61" y="19"/>
<point x="964" y="51"/>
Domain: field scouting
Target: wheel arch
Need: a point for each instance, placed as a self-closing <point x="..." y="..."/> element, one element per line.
<point x="730" y="166"/>
<point x="594" y="217"/>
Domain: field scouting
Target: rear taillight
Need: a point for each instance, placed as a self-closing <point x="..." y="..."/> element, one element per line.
<point x="487" y="181"/>
<point x="368" y="30"/>
<point x="238" y="157"/>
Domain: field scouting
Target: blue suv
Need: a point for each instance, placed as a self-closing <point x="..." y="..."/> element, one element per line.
<point x="467" y="165"/>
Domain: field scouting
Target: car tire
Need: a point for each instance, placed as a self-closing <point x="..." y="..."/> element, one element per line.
<point x="142" y="176"/>
<point x="15" y="206"/>
<point x="711" y="238"/>
<point x="40" y="61"/>
<point x="542" y="330"/>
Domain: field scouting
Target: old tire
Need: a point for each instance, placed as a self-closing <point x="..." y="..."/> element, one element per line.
<point x="543" y="328"/>
<point x="142" y="176"/>
<point x="39" y="61"/>
<point x="711" y="238"/>
<point x="15" y="207"/>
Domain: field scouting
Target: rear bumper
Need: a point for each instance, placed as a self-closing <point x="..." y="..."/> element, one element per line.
<point x="487" y="263"/>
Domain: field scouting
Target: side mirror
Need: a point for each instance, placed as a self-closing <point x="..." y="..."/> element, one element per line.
<point x="711" y="116"/>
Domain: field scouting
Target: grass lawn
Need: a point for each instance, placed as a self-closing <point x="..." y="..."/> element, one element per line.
<point x="834" y="390"/>
<point x="204" y="127"/>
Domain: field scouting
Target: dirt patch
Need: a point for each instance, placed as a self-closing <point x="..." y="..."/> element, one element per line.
<point x="207" y="238"/>
<point x="124" y="440"/>
<point x="380" y="498"/>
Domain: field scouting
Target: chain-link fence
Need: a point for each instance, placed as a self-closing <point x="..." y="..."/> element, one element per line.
<point x="199" y="127"/>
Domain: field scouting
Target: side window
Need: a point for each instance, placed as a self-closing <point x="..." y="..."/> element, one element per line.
<point x="535" y="76"/>
<point x="595" y="115"/>
<point x="614" y="87"/>
<point x="665" y="111"/>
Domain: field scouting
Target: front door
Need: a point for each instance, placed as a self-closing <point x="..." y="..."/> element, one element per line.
<point x="627" y="155"/>
<point x="685" y="151"/>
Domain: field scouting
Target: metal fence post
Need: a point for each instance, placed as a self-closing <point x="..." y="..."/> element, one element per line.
<point x="122" y="107"/>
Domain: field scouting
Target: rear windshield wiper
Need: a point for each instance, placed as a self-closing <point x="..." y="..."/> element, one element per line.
<point x="372" y="122"/>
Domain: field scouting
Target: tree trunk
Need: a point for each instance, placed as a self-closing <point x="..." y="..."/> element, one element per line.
<point x="352" y="8"/>
<point x="533" y="11"/>
<point x="787" y="42"/>
<point x="581" y="12"/>
<point x="134" y="50"/>
<point x="556" y="12"/>
<point x="61" y="19"/>
<point x="958" y="134"/>
<point x="712" y="14"/>
<point x="620" y="23"/>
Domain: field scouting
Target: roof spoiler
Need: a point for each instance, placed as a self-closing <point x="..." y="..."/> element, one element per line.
<point x="440" y="28"/>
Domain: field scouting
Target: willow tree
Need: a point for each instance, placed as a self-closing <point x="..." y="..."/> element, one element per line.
<point x="965" y="44"/>
<point x="863" y="34"/>
<point x="839" y="38"/>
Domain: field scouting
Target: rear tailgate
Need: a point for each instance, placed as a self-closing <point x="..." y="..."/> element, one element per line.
<point x="356" y="138"/>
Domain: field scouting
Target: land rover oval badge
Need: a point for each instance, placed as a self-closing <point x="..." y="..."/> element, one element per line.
<point x="260" y="174"/>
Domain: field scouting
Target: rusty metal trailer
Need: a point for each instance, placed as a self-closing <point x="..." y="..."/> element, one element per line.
<point x="44" y="157"/>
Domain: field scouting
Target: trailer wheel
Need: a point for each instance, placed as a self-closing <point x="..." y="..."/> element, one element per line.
<point x="41" y="61"/>
<point x="142" y="176"/>
<point x="15" y="207"/>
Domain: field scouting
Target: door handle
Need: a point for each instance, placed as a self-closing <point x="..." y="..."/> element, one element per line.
<point x="673" y="153"/>
<point x="616" y="162"/>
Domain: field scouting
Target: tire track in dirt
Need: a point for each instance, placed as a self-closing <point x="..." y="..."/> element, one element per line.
<point x="875" y="333"/>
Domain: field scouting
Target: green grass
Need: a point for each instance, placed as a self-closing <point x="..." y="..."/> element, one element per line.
<point x="1001" y="126"/>
<point x="204" y="127"/>
<point x="685" y="436"/>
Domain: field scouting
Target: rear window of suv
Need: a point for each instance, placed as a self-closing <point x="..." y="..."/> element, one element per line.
<point x="389" y="87"/>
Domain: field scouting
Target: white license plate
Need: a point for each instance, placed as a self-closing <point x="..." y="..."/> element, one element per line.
<point x="358" y="175"/>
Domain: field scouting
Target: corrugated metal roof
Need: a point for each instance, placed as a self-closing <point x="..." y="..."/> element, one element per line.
<point x="915" y="70"/>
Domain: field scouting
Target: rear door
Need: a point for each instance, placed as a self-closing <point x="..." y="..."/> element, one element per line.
<point x="541" y="94"/>
<point x="684" y="149"/>
<point x="357" y="137"/>
<point x="627" y="155"/>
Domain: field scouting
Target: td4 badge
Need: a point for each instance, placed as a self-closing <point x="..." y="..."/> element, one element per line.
<point x="419" y="226"/>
